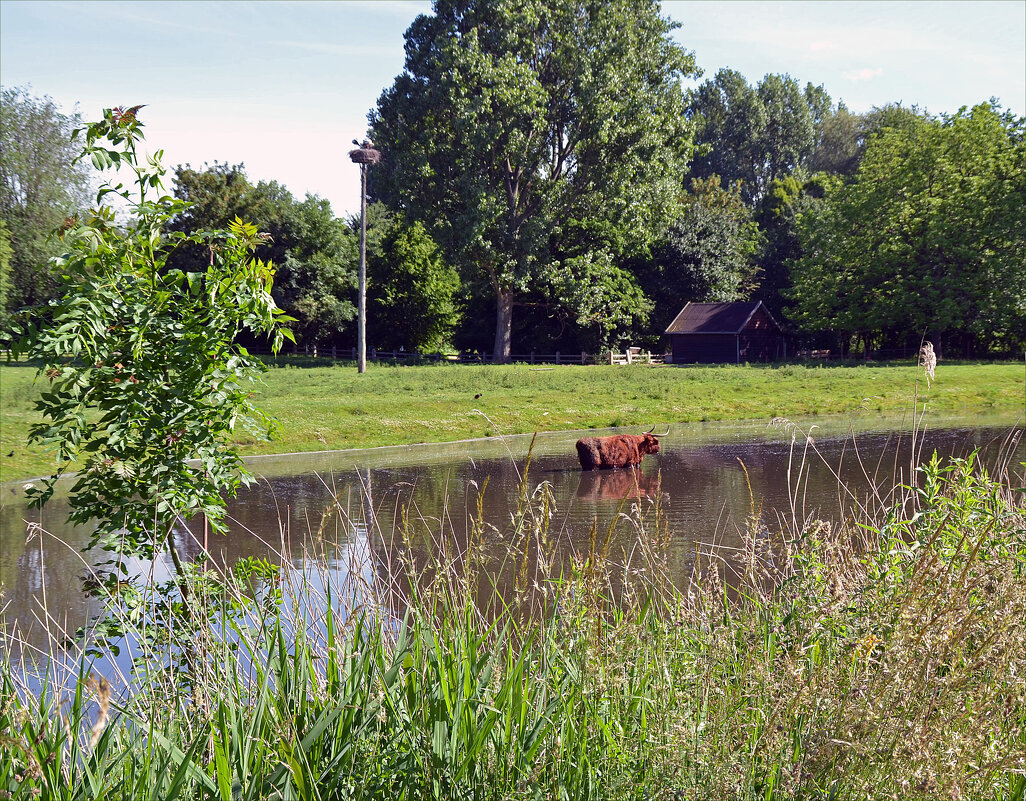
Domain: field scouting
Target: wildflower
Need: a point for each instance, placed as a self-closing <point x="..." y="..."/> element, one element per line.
<point x="868" y="644"/>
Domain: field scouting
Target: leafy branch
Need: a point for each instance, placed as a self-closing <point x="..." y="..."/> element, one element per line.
<point x="147" y="382"/>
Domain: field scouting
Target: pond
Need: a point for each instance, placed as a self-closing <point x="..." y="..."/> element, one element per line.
<point x="347" y="508"/>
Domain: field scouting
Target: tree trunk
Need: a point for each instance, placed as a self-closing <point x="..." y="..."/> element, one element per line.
<point x="503" y="326"/>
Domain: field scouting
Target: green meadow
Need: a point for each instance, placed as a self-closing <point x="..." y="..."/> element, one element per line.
<point x="322" y="405"/>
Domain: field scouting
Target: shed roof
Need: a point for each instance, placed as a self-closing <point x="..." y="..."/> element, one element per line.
<point x="715" y="318"/>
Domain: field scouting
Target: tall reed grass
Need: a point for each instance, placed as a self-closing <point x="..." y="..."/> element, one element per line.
<point x="883" y="657"/>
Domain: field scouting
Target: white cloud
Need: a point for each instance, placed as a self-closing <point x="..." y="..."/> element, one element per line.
<point x="864" y="74"/>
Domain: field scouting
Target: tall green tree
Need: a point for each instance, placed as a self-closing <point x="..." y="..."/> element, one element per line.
<point x="414" y="294"/>
<point x="842" y="137"/>
<point x="778" y="216"/>
<point x="839" y="143"/>
<point x="754" y="135"/>
<point x="532" y="137"/>
<point x="790" y="133"/>
<point x="928" y="238"/>
<point x="314" y="252"/>
<point x="709" y="253"/>
<point x="731" y="124"/>
<point x="41" y="186"/>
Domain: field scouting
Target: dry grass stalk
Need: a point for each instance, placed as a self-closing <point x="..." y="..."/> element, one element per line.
<point x="102" y="689"/>
<point x="928" y="361"/>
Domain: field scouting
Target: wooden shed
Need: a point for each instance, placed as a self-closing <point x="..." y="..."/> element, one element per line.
<point x="717" y="333"/>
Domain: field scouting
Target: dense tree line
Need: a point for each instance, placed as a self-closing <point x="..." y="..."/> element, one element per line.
<point x="925" y="238"/>
<point x="548" y="184"/>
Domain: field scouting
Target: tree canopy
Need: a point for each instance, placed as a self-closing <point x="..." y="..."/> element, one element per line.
<point x="414" y="294"/>
<point x="927" y="238"/>
<point x="313" y="252"/>
<point x="533" y="138"/>
<point x="40" y="187"/>
<point x="758" y="134"/>
<point x="708" y="254"/>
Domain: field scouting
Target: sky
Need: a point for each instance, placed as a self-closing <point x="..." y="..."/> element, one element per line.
<point x="284" y="87"/>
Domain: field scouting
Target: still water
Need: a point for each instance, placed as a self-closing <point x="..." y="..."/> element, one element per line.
<point x="346" y="507"/>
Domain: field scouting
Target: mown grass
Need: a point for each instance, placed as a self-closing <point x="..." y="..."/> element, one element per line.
<point x="880" y="658"/>
<point x="325" y="406"/>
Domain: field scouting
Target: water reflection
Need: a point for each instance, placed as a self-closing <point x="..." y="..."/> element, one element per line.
<point x="360" y="513"/>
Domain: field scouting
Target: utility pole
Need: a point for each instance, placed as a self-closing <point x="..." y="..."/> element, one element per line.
<point x="365" y="155"/>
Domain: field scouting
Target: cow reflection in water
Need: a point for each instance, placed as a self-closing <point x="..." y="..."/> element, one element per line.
<point x="616" y="485"/>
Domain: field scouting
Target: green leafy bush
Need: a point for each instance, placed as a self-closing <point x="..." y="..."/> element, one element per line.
<point x="146" y="381"/>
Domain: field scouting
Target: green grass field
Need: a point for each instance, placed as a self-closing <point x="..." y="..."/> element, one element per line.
<point x="325" y="406"/>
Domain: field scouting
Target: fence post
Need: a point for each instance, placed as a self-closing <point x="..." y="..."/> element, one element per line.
<point x="557" y="357"/>
<point x="582" y="358"/>
<point x="532" y="357"/>
<point x="611" y="356"/>
<point x="332" y="352"/>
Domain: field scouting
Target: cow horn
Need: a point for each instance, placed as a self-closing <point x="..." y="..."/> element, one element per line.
<point x="652" y="429"/>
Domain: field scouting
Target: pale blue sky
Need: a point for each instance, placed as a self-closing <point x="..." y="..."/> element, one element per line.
<point x="285" y="86"/>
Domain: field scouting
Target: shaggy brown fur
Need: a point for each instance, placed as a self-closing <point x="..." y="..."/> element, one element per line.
<point x="620" y="450"/>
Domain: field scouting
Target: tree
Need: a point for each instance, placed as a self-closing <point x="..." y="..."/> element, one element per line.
<point x="754" y="135"/>
<point x="525" y="135"/>
<point x="820" y="104"/>
<point x="730" y="132"/>
<point x="414" y="293"/>
<point x="41" y="186"/>
<point x="5" y="268"/>
<point x="314" y="253"/>
<point x="778" y="216"/>
<point x="790" y="133"/>
<point x="842" y="137"/>
<point x="708" y="254"/>
<point x="927" y="239"/>
<point x="317" y="276"/>
<point x="839" y="143"/>
<point x="147" y="385"/>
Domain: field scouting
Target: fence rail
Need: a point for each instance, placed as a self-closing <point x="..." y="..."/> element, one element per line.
<point x="631" y="356"/>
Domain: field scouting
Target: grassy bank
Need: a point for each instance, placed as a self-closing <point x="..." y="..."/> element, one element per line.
<point x="323" y="407"/>
<point x="879" y="659"/>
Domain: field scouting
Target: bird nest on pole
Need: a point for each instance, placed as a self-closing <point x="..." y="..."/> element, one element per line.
<point x="365" y="155"/>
